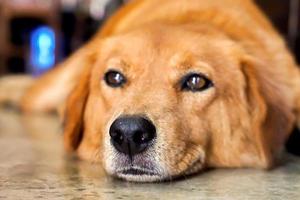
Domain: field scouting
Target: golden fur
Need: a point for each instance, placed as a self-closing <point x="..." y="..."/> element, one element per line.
<point x="243" y="121"/>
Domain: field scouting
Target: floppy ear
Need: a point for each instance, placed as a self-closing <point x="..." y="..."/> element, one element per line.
<point x="74" y="111"/>
<point x="271" y="114"/>
<point x="50" y="90"/>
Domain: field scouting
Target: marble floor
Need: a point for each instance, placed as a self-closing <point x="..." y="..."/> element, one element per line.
<point x="33" y="166"/>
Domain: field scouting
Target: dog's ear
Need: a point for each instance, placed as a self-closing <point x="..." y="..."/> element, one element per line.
<point x="271" y="114"/>
<point x="74" y="110"/>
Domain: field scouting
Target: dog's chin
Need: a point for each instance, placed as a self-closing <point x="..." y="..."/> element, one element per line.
<point x="136" y="174"/>
<point x="145" y="178"/>
<point x="145" y="168"/>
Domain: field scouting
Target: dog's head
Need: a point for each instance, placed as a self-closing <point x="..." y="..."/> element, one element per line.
<point x="161" y="102"/>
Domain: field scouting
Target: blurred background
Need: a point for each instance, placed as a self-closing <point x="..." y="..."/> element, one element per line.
<point x="36" y="34"/>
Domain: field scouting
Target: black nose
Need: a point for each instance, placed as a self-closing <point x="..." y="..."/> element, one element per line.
<point x="132" y="134"/>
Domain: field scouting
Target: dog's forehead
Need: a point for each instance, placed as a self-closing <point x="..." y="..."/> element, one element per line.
<point x="162" y="39"/>
<point x="170" y="47"/>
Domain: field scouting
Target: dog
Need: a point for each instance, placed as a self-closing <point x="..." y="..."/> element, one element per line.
<point x="171" y="88"/>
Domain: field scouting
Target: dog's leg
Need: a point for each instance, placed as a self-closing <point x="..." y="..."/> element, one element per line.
<point x="13" y="87"/>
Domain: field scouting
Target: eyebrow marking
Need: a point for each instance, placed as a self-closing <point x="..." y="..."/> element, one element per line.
<point x="117" y="63"/>
<point x="189" y="63"/>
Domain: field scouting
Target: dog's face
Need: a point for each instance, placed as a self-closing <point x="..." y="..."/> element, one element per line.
<point x="162" y="102"/>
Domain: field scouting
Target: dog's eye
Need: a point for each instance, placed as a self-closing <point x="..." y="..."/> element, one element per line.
<point x="114" y="78"/>
<point x="195" y="82"/>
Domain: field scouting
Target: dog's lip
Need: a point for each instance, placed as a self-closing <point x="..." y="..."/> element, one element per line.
<point x="134" y="171"/>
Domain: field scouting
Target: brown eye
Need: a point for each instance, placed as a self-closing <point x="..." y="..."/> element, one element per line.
<point x="195" y="83"/>
<point x="114" y="78"/>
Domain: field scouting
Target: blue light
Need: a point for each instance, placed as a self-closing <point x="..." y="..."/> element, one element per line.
<point x="42" y="49"/>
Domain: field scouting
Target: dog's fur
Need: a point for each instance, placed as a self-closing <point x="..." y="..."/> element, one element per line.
<point x="243" y="121"/>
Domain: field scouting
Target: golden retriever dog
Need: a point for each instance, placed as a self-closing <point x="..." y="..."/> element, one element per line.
<point x="170" y="88"/>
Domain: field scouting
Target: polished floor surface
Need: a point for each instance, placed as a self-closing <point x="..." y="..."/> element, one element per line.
<point x="33" y="166"/>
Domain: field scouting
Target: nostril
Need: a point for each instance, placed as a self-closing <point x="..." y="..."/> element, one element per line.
<point x="142" y="137"/>
<point x="117" y="136"/>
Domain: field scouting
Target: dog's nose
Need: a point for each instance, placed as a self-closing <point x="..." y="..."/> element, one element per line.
<point x="132" y="134"/>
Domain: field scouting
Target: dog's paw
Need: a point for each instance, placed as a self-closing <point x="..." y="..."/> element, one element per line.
<point x="13" y="87"/>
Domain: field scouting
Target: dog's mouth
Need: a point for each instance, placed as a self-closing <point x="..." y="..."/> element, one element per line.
<point x="138" y="174"/>
<point x="135" y="171"/>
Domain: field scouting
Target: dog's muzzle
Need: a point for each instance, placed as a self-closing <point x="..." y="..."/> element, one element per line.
<point x="132" y="136"/>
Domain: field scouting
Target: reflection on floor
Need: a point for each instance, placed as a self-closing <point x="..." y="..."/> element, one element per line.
<point x="33" y="165"/>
